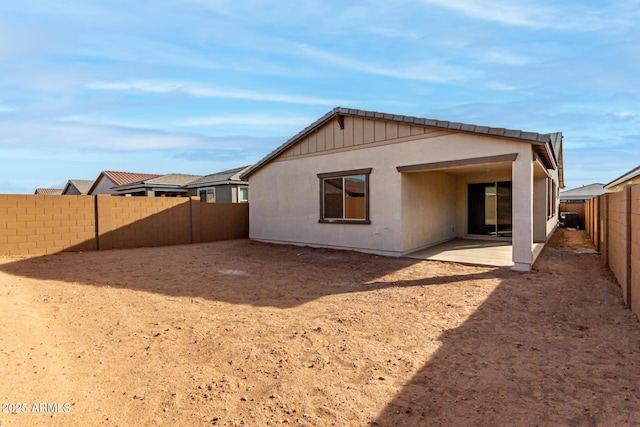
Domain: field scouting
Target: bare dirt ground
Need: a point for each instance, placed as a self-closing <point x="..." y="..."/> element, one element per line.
<point x="239" y="333"/>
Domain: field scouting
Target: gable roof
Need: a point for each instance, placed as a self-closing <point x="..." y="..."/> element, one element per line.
<point x="625" y="177"/>
<point x="583" y="193"/>
<point x="231" y="176"/>
<point x="171" y="180"/>
<point x="82" y="185"/>
<point x="49" y="191"/>
<point x="121" y="178"/>
<point x="548" y="146"/>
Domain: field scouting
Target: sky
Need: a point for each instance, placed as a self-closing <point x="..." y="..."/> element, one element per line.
<point x="200" y="86"/>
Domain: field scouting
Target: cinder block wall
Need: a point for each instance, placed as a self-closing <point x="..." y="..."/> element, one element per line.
<point x="38" y="224"/>
<point x="235" y="216"/>
<point x="617" y="237"/>
<point x="613" y="222"/>
<point x="575" y="207"/>
<point x="635" y="249"/>
<point x="150" y="221"/>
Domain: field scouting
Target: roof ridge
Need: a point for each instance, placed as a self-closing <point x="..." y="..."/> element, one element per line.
<point x="532" y="137"/>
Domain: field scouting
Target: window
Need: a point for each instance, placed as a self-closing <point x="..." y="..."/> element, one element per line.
<point x="243" y="194"/>
<point x="344" y="197"/>
<point x="208" y="195"/>
<point x="552" y="193"/>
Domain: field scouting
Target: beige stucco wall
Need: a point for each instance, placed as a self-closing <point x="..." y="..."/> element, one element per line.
<point x="104" y="187"/>
<point x="429" y="202"/>
<point x="285" y="195"/>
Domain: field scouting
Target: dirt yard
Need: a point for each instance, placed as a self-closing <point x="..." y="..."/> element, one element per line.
<point x="239" y="333"/>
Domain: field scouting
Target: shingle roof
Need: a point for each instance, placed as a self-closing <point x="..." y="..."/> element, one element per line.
<point x="82" y="185"/>
<point x="585" y="192"/>
<point x="229" y="176"/>
<point x="172" y="179"/>
<point x="542" y="139"/>
<point x="120" y="178"/>
<point x="49" y="191"/>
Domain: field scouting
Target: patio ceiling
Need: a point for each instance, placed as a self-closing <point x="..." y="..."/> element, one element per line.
<point x="464" y="166"/>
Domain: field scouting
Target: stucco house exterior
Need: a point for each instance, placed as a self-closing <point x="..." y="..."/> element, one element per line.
<point x="629" y="178"/>
<point x="77" y="187"/>
<point x="391" y="185"/>
<point x="221" y="187"/>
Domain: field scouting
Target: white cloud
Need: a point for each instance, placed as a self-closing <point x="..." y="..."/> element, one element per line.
<point x="534" y="15"/>
<point x="250" y="120"/>
<point x="82" y="135"/>
<point x="507" y="58"/>
<point x="626" y="114"/>
<point x="202" y="91"/>
<point x="428" y="71"/>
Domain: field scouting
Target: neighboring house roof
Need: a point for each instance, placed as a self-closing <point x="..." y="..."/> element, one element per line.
<point x="82" y="185"/>
<point x="548" y="146"/>
<point x="121" y="178"/>
<point x="585" y="192"/>
<point x="626" y="177"/>
<point x="231" y="176"/>
<point x="172" y="180"/>
<point x="49" y="191"/>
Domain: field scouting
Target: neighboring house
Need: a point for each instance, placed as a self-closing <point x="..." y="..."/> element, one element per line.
<point x="108" y="179"/>
<point x="49" y="191"/>
<point x="631" y="177"/>
<point x="392" y="184"/>
<point x="221" y="187"/>
<point x="170" y="185"/>
<point x="77" y="187"/>
<point x="581" y="194"/>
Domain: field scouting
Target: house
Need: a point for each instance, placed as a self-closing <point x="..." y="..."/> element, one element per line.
<point x="170" y="185"/>
<point x="631" y="177"/>
<point x="221" y="187"/>
<point x="581" y="194"/>
<point x="572" y="204"/>
<point x="77" y="187"/>
<point x="48" y="191"/>
<point x="108" y="179"/>
<point x="392" y="185"/>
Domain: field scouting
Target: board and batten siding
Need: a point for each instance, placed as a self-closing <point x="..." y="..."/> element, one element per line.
<point x="358" y="132"/>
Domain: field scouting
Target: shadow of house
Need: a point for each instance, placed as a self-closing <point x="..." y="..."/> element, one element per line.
<point x="534" y="353"/>
<point x="227" y="271"/>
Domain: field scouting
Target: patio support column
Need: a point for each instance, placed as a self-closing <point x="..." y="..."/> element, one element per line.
<point x="522" y="211"/>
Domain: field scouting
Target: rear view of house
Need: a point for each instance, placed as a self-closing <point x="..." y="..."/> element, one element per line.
<point x="391" y="185"/>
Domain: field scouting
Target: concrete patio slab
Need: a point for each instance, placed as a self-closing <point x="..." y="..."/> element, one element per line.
<point x="469" y="251"/>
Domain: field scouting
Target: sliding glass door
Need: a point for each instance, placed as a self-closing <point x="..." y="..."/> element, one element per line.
<point x="489" y="209"/>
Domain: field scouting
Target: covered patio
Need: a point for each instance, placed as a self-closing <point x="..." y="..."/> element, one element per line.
<point x="495" y="253"/>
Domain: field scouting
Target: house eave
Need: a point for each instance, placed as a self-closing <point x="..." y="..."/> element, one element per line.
<point x="540" y="141"/>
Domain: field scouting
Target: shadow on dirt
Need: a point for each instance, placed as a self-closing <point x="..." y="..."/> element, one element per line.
<point x="557" y="351"/>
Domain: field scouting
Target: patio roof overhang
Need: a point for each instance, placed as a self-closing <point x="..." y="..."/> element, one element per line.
<point x="424" y="167"/>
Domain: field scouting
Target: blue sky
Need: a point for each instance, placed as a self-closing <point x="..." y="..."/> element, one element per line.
<point x="197" y="86"/>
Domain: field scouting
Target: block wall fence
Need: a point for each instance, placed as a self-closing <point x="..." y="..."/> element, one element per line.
<point x="578" y="208"/>
<point x="39" y="224"/>
<point x="613" y="223"/>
